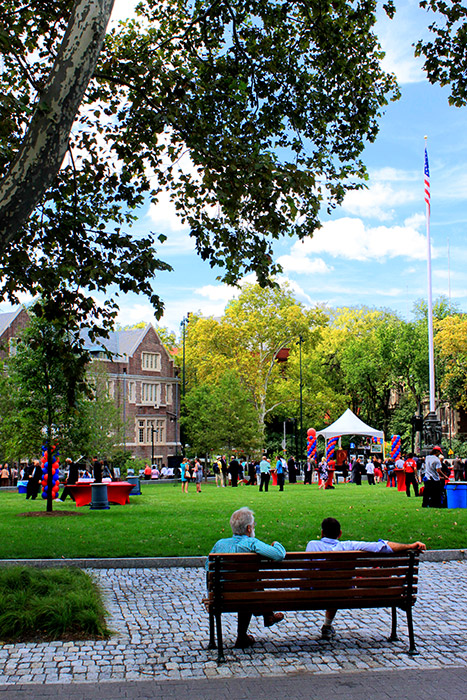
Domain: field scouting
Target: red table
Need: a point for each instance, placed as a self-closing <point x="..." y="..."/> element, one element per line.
<point x="117" y="492"/>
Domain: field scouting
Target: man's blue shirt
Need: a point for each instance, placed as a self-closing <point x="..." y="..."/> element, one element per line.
<point x="243" y="543"/>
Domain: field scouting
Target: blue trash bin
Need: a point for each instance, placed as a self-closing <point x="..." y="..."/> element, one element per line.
<point x="136" y="490"/>
<point x="456" y="493"/>
<point x="22" y="486"/>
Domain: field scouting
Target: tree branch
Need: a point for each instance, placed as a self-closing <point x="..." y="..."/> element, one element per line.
<point x="46" y="141"/>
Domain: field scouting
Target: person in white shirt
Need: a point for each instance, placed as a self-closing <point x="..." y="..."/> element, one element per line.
<point x="370" y="472"/>
<point x="330" y="542"/>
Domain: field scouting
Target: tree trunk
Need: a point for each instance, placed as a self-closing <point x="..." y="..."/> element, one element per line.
<point x="46" y="140"/>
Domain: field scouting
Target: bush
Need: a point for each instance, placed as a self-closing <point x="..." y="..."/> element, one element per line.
<point x="50" y="604"/>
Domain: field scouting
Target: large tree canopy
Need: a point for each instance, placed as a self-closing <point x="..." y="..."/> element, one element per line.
<point x="446" y="55"/>
<point x="251" y="113"/>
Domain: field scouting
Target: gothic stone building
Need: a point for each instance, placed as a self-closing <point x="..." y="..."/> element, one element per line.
<point x="143" y="382"/>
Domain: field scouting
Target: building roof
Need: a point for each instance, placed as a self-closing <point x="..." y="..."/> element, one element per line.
<point x="121" y="344"/>
<point x="6" y="319"/>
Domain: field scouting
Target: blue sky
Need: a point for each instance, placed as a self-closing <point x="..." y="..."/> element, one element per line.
<point x="372" y="250"/>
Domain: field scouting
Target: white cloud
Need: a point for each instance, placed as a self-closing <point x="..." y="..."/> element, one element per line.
<point x="165" y="213"/>
<point x="397" y="37"/>
<point x="301" y="264"/>
<point x="130" y="314"/>
<point x="350" y="239"/>
<point x="218" y="292"/>
<point x="415" y="221"/>
<point x="376" y="201"/>
<point x="388" y="174"/>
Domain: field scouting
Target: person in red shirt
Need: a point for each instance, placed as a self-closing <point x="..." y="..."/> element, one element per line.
<point x="410" y="468"/>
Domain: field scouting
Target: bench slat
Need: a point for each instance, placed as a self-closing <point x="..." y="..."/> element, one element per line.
<point x="229" y="577"/>
<point x="316" y="564"/>
<point x="297" y="584"/>
<point x="275" y="597"/>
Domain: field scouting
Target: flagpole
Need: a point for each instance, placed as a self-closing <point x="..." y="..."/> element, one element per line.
<point x="431" y="354"/>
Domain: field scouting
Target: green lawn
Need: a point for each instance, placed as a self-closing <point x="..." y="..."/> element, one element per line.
<point x="165" y="522"/>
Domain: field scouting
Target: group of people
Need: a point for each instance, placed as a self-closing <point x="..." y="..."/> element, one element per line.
<point x="97" y="471"/>
<point x="8" y="475"/>
<point x="191" y="471"/>
<point x="242" y="523"/>
<point x="253" y="473"/>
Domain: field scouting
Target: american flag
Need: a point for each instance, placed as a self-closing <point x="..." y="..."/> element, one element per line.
<point x="427" y="180"/>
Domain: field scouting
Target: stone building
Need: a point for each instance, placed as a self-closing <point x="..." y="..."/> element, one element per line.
<point x="11" y="325"/>
<point x="144" y="384"/>
<point x="142" y="380"/>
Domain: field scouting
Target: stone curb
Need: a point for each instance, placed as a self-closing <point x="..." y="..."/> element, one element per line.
<point x="434" y="555"/>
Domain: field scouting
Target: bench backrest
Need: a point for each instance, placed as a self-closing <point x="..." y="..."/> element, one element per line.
<point x="312" y="580"/>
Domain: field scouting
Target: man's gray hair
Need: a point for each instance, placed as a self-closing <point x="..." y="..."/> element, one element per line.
<point x="240" y="520"/>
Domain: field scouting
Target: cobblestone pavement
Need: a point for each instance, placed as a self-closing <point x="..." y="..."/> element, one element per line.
<point x="161" y="634"/>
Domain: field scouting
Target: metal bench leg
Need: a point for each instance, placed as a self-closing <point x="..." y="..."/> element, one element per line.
<point x="212" y="640"/>
<point x="394" y="637"/>
<point x="220" y="642"/>
<point x="412" y="649"/>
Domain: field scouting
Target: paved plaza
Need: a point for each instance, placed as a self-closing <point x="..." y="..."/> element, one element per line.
<point x="161" y="635"/>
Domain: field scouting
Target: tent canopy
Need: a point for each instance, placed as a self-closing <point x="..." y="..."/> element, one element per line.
<point x="349" y="424"/>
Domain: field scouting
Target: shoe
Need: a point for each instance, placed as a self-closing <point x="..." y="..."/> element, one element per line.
<point x="327" y="632"/>
<point x="273" y="619"/>
<point x="247" y="641"/>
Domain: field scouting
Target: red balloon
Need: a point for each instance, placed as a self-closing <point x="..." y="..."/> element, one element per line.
<point x="311" y="431"/>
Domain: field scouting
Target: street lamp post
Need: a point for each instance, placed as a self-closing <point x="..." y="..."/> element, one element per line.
<point x="300" y="341"/>
<point x="156" y="431"/>
<point x="183" y="324"/>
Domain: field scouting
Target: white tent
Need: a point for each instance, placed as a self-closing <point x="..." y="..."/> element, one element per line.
<point x="349" y="424"/>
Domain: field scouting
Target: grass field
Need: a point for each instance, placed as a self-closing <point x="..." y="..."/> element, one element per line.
<point x="165" y="522"/>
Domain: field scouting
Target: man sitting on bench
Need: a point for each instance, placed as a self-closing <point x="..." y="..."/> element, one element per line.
<point x="329" y="542"/>
<point x="242" y="523"/>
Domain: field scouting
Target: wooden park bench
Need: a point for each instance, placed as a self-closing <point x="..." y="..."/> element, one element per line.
<point x="310" y="581"/>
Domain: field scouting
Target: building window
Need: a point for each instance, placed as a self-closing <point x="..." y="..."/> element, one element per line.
<point x="168" y="394"/>
<point x="111" y="389"/>
<point x="150" y="393"/>
<point x="131" y="392"/>
<point x="151" y="361"/>
<point x="150" y="429"/>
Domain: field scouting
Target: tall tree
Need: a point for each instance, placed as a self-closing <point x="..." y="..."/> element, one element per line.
<point x="451" y="344"/>
<point x="248" y="339"/>
<point x="46" y="376"/>
<point x="221" y="417"/>
<point x="249" y="113"/>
